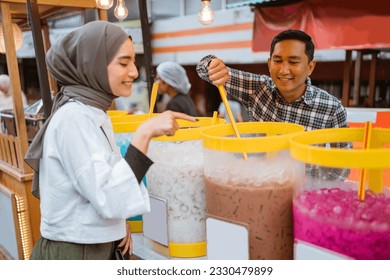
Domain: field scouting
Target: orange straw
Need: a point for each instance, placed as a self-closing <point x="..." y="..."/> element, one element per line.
<point x="222" y="92"/>
<point x="363" y="173"/>
<point x="153" y="98"/>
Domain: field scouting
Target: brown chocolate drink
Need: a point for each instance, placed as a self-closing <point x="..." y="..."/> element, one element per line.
<point x="266" y="209"/>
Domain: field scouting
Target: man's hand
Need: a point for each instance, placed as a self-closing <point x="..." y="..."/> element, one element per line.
<point x="218" y="72"/>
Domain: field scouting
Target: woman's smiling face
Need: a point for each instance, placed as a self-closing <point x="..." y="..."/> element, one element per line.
<point x="122" y="70"/>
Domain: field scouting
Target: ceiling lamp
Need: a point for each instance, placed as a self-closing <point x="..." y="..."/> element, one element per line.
<point x="206" y="14"/>
<point x="121" y="11"/>
<point x="18" y="37"/>
<point x="104" y="4"/>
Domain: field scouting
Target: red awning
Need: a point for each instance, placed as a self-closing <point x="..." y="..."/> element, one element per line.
<point x="333" y="24"/>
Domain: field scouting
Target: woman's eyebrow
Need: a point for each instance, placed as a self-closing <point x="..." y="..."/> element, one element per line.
<point x="125" y="57"/>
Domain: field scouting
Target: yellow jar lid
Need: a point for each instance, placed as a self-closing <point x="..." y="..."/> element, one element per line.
<point x="191" y="130"/>
<point x="188" y="130"/>
<point x="376" y="157"/>
<point x="112" y="113"/>
<point x="221" y="138"/>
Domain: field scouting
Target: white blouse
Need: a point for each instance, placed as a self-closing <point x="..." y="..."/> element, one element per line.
<point x="87" y="189"/>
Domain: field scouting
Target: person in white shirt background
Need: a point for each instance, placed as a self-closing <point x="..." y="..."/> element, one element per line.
<point x="6" y="100"/>
<point x="235" y="107"/>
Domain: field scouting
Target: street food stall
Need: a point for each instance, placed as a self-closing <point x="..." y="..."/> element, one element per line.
<point x="19" y="214"/>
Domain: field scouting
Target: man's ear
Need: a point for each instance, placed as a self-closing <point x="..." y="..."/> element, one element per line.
<point x="312" y="65"/>
<point x="268" y="63"/>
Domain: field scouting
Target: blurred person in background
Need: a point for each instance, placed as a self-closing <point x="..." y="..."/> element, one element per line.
<point x="235" y="107"/>
<point x="6" y="100"/>
<point x="174" y="82"/>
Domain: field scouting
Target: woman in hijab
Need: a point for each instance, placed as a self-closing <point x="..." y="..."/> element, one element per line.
<point x="174" y="82"/>
<point x="86" y="189"/>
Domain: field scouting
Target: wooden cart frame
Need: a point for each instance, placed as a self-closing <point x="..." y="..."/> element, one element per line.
<point x="15" y="174"/>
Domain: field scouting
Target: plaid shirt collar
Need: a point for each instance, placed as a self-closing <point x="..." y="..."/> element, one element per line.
<point x="307" y="97"/>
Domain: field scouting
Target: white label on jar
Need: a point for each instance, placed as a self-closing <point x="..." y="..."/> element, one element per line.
<point x="308" y="251"/>
<point x="226" y="241"/>
<point x="155" y="223"/>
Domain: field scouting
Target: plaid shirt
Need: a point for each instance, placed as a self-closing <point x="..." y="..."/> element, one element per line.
<point x="315" y="109"/>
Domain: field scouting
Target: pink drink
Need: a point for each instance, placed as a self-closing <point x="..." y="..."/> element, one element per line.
<point x="335" y="219"/>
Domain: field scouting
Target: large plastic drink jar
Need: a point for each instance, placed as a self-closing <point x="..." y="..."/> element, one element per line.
<point x="337" y="213"/>
<point x="253" y="193"/>
<point x="176" y="186"/>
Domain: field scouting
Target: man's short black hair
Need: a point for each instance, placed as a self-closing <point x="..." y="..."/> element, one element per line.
<point x="295" y="35"/>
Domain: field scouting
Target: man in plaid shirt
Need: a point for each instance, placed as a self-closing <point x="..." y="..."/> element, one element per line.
<point x="287" y="95"/>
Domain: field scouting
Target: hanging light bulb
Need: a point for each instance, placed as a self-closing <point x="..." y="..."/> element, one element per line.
<point x="121" y="11"/>
<point x="206" y="14"/>
<point x="104" y="4"/>
<point x="18" y="37"/>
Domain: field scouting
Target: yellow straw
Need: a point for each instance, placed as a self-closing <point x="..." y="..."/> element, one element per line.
<point x="222" y="92"/>
<point x="363" y="173"/>
<point x="153" y="98"/>
<point x="214" y="119"/>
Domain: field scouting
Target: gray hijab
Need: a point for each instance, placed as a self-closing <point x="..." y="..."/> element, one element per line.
<point x="79" y="64"/>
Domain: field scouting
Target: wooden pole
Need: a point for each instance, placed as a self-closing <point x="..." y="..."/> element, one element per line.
<point x="346" y="78"/>
<point x="356" y="83"/>
<point x="143" y="13"/>
<point x="47" y="45"/>
<point x="36" y="29"/>
<point x="102" y="14"/>
<point x="371" y="83"/>
<point x="13" y="71"/>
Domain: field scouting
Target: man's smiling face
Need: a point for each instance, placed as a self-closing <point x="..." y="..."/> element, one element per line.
<point x="289" y="67"/>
